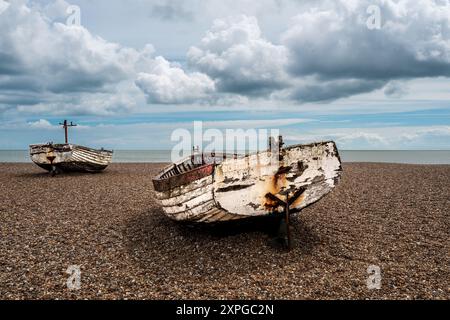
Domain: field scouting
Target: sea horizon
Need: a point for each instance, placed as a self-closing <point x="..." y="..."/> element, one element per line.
<point x="158" y="156"/>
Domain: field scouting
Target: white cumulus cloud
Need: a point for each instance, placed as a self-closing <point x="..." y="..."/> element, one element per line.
<point x="166" y="83"/>
<point x="234" y="53"/>
<point x="41" y="124"/>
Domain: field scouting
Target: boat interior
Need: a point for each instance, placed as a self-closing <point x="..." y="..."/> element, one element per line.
<point x="193" y="162"/>
<point x="197" y="159"/>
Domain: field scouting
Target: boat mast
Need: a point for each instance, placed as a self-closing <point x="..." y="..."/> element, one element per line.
<point x="66" y="125"/>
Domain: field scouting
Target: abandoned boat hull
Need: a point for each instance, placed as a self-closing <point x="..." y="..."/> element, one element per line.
<point x="256" y="185"/>
<point x="69" y="158"/>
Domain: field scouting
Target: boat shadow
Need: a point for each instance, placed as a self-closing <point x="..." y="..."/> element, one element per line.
<point x="45" y="174"/>
<point x="263" y="227"/>
<point x="153" y="238"/>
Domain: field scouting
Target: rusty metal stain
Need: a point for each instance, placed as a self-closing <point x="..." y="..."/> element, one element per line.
<point x="274" y="185"/>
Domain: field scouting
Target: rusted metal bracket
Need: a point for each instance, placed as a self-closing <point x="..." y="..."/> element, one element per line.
<point x="286" y="204"/>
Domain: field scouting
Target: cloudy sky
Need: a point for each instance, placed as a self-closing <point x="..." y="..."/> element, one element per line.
<point x="368" y="74"/>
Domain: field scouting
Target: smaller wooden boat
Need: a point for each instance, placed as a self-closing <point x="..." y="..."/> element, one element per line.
<point x="69" y="157"/>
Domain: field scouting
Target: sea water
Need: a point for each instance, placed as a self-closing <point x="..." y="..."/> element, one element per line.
<point x="142" y="156"/>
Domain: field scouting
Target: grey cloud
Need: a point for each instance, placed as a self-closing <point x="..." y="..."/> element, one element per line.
<point x="323" y="91"/>
<point x="12" y="99"/>
<point x="334" y="41"/>
<point x="15" y="83"/>
<point x="9" y="64"/>
<point x="172" y="11"/>
<point x="328" y="52"/>
<point x="232" y="83"/>
<point x="395" y="89"/>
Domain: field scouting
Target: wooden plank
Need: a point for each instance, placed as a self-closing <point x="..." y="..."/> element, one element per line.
<point x="209" y="214"/>
<point x="193" y="212"/>
<point x="187" y="196"/>
<point x="196" y="201"/>
<point x="177" y="191"/>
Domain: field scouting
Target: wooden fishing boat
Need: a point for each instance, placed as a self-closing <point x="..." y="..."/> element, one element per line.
<point x="215" y="188"/>
<point x="69" y="157"/>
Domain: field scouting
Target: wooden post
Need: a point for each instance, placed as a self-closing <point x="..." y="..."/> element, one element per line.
<point x="285" y="205"/>
<point x="280" y="148"/>
<point x="271" y="143"/>
<point x="66" y="125"/>
<point x="288" y="229"/>
<point x="66" y="132"/>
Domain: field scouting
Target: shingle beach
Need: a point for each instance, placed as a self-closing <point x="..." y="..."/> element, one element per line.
<point x="393" y="216"/>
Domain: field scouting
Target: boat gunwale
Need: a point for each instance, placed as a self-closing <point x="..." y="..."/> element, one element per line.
<point x="166" y="184"/>
<point x="318" y="143"/>
<point x="59" y="147"/>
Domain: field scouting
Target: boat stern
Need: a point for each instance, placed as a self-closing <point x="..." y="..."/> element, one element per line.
<point x="49" y="155"/>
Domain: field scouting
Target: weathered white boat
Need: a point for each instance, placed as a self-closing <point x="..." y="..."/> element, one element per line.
<point x="69" y="157"/>
<point x="218" y="188"/>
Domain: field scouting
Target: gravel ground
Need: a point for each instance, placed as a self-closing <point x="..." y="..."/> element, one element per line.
<point x="392" y="216"/>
